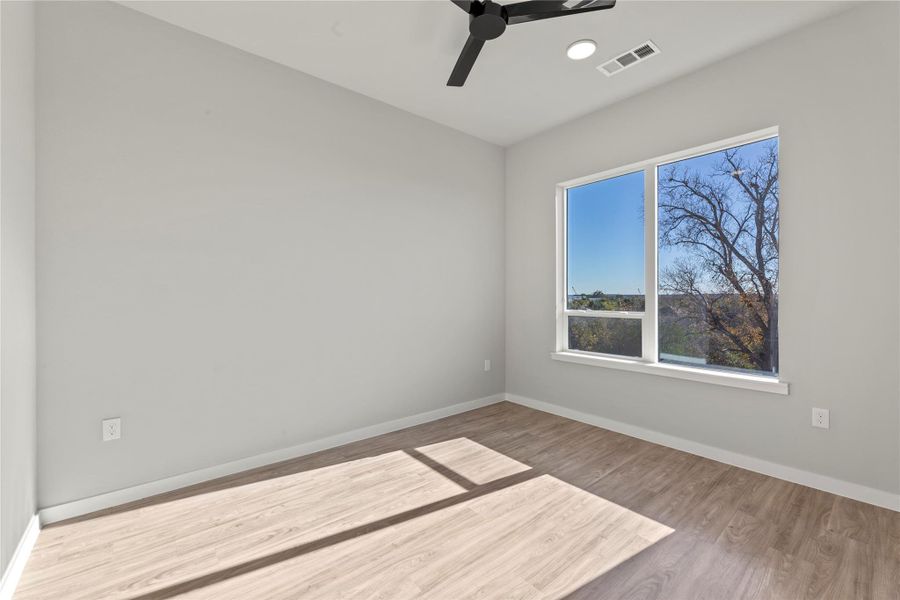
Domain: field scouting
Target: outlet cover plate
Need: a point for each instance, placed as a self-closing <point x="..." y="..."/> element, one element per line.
<point x="112" y="429"/>
<point x="820" y="418"/>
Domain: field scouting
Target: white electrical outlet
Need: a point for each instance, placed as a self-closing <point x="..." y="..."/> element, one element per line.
<point x="112" y="429"/>
<point x="487" y="364"/>
<point x="820" y="418"/>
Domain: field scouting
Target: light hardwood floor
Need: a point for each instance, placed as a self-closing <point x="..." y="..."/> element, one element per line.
<point x="500" y="502"/>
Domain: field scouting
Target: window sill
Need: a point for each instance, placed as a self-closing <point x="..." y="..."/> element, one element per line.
<point x="757" y="383"/>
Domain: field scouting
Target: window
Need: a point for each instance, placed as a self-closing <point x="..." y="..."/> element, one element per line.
<point x="673" y="262"/>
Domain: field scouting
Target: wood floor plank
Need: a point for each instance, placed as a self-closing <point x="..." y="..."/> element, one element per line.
<point x="500" y="502"/>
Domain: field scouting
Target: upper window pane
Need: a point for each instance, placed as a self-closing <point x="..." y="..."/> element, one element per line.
<point x="605" y="244"/>
<point x="718" y="259"/>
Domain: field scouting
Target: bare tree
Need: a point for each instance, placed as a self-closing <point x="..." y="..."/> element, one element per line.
<point x="728" y="219"/>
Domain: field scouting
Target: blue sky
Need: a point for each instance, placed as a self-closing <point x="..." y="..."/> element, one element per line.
<point x="606" y="236"/>
<point x="606" y="230"/>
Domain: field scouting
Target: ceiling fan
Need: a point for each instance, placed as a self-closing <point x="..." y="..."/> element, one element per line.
<point x="488" y="20"/>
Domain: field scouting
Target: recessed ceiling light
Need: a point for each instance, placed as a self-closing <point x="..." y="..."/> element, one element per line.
<point x="581" y="49"/>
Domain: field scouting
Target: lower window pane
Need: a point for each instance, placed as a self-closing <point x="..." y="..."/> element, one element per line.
<point x="608" y="336"/>
<point x="696" y="333"/>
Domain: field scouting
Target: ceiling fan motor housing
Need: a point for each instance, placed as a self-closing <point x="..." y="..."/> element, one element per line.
<point x="487" y="21"/>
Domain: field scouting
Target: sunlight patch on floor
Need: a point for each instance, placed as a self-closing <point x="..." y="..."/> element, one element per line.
<point x="179" y="539"/>
<point x="403" y="524"/>
<point x="541" y="538"/>
<point x="471" y="461"/>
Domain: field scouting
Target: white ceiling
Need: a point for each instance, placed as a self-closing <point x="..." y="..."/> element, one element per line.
<point x="401" y="52"/>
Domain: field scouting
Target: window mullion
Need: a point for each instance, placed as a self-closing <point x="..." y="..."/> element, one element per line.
<point x="649" y="327"/>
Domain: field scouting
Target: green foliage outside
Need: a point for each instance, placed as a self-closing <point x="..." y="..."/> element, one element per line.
<point x="600" y="301"/>
<point x="607" y="336"/>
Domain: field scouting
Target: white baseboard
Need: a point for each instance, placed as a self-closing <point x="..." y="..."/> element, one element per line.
<point x="19" y="558"/>
<point x="88" y="505"/>
<point x="814" y="480"/>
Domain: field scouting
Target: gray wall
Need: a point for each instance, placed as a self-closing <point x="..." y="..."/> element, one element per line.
<point x="235" y="257"/>
<point x="839" y="158"/>
<point x="17" y="354"/>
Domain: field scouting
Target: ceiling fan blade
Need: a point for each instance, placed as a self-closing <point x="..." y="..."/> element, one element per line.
<point x="465" y="61"/>
<point x="533" y="10"/>
<point x="466" y="5"/>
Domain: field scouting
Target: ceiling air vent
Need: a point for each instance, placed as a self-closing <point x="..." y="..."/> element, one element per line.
<point x="644" y="51"/>
<point x="630" y="58"/>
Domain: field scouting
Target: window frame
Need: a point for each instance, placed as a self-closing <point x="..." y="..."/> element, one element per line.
<point x="649" y="360"/>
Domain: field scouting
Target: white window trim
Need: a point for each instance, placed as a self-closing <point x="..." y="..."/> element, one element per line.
<point x="648" y="362"/>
